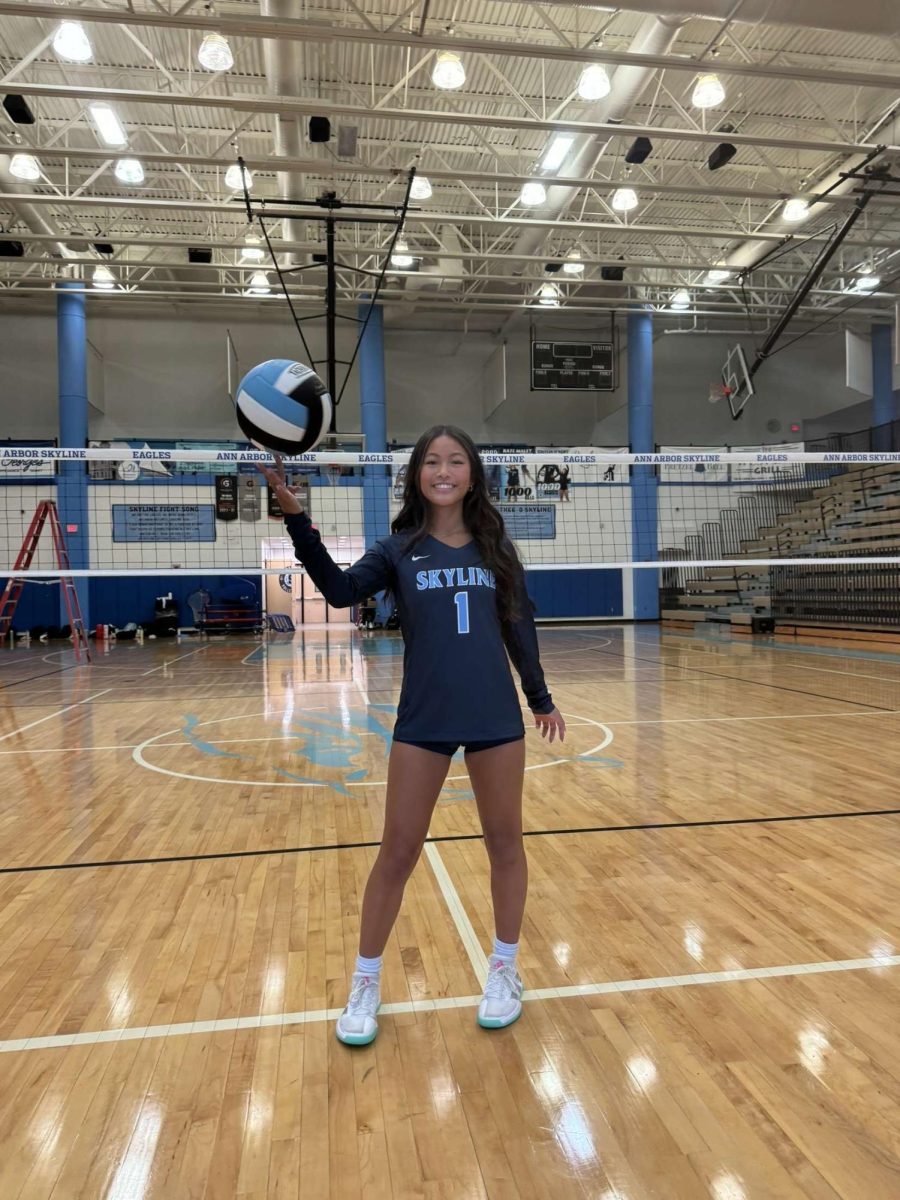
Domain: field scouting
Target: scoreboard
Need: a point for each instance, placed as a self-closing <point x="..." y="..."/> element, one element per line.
<point x="573" y="367"/>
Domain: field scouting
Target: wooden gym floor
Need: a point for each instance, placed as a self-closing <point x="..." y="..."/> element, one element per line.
<point x="710" y="949"/>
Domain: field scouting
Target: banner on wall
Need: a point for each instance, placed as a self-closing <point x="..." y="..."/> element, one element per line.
<point x="771" y="466"/>
<point x="164" y="522"/>
<point x="226" y="498"/>
<point x="549" y="476"/>
<point x="125" y="470"/>
<point x="710" y="472"/>
<point x="529" y="522"/>
<point x="26" y="468"/>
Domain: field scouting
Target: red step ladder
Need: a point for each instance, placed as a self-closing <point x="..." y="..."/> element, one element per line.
<point x="14" y="586"/>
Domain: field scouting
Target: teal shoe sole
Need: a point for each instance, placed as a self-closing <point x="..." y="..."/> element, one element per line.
<point x="496" y="1023"/>
<point x="358" y="1039"/>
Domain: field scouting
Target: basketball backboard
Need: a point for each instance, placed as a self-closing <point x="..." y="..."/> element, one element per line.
<point x="735" y="383"/>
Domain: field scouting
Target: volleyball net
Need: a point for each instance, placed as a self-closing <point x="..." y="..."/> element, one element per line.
<point x="830" y="520"/>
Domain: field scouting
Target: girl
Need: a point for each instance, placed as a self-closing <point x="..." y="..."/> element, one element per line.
<point x="460" y="592"/>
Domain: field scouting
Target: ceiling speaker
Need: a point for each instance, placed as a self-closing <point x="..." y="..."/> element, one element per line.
<point x="319" y="129"/>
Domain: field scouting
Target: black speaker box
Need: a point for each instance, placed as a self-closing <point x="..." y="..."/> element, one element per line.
<point x="319" y="129"/>
<point x="18" y="110"/>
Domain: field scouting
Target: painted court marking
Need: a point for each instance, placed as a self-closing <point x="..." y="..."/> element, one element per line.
<point x="138" y="755"/>
<point x="169" y="661"/>
<point x="886" y="712"/>
<point x="50" y="716"/>
<point x="314" y="1016"/>
<point x="455" y="907"/>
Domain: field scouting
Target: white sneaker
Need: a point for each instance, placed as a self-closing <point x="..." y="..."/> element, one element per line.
<point x="357" y="1026"/>
<point x="502" y="1000"/>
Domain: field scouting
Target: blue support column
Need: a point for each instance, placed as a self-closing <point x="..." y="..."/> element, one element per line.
<point x="72" y="482"/>
<point x="882" y="385"/>
<point x="644" y="542"/>
<point x="373" y="424"/>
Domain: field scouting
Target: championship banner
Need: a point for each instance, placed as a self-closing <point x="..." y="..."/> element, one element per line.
<point x="226" y="498"/>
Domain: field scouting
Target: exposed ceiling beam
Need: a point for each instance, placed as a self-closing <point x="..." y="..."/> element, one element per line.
<point x="612" y="259"/>
<point x="297" y="30"/>
<point x="313" y="107"/>
<point x="331" y="168"/>
<point x="423" y="218"/>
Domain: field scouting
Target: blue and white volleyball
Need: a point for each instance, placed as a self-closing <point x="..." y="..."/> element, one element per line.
<point x="284" y="406"/>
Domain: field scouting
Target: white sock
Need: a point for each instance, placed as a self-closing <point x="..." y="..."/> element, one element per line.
<point x="369" y="966"/>
<point x="505" y="951"/>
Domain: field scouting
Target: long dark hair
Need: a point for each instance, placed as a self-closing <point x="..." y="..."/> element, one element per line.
<point x="481" y="519"/>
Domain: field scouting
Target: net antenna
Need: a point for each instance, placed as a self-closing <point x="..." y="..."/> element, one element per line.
<point x="332" y="210"/>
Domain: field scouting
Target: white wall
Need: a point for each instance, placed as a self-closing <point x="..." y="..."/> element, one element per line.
<point x="166" y="377"/>
<point x="20" y="502"/>
<point x="238" y="544"/>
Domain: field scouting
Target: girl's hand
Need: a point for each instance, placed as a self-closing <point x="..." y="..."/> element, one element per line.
<point x="277" y="480"/>
<point x="552" y="723"/>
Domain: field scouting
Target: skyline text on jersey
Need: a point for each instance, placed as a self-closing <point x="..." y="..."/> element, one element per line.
<point x="455" y="577"/>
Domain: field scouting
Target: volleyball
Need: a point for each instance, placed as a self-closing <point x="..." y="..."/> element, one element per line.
<point x="284" y="406"/>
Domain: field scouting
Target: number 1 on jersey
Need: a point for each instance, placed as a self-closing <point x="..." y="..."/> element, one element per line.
<point x="461" y="600"/>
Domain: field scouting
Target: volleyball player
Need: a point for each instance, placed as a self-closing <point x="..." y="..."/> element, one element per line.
<point x="460" y="592"/>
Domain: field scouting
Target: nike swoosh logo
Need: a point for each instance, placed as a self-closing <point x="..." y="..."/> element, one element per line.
<point x="419" y="557"/>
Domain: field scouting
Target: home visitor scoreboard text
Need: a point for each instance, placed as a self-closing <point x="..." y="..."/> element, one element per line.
<point x="572" y="367"/>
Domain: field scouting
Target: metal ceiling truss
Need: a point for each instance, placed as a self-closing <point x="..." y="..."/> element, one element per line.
<point x="687" y="222"/>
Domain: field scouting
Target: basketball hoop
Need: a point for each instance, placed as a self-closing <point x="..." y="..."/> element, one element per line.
<point x="718" y="391"/>
<point x="333" y="473"/>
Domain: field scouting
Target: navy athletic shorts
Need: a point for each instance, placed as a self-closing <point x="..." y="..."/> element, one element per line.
<point x="450" y="748"/>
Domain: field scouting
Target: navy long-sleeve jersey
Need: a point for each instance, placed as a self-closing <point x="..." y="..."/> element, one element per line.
<point x="457" y="685"/>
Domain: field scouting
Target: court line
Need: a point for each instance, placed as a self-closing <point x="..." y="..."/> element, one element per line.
<point x="740" y="679"/>
<point x="317" y="1016"/>
<point x="711" y="823"/>
<point x="50" y="716"/>
<point x="169" y="661"/>
<point x="885" y="712"/>
<point x="458" y="915"/>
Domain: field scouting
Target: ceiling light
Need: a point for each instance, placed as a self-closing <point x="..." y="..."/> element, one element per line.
<point x="103" y="278"/>
<point x="708" y="92"/>
<point x="795" y="210"/>
<point x="237" y="178"/>
<point x="215" y="53"/>
<point x="717" y="275"/>
<point x="681" y="300"/>
<point x="557" y="151"/>
<point x="868" y="282"/>
<point x="533" y="194"/>
<point x="449" y="72"/>
<point x="421" y="188"/>
<point x="573" y="264"/>
<point x="109" y="128"/>
<point x="251" y="250"/>
<point x="548" y="295"/>
<point x="624" y="199"/>
<point x="72" y="43"/>
<point x="401" y="256"/>
<point x="129" y="170"/>
<point x="594" y="83"/>
<point x="25" y="166"/>
<point x="259" y="284"/>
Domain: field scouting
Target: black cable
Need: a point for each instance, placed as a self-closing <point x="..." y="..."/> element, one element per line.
<point x="837" y="313"/>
